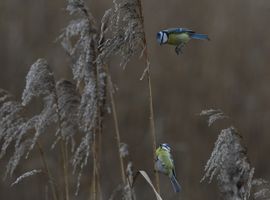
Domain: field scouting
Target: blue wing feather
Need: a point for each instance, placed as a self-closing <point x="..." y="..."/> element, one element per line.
<point x="178" y="30"/>
<point x="199" y="36"/>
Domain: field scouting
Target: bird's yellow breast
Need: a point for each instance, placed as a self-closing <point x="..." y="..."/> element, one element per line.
<point x="165" y="157"/>
<point x="176" y="38"/>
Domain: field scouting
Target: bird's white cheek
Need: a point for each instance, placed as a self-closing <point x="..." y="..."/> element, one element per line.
<point x="165" y="38"/>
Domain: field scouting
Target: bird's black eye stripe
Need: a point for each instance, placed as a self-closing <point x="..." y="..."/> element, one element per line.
<point x="162" y="38"/>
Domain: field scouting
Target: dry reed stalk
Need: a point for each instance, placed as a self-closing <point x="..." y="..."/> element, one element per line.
<point x="97" y="148"/>
<point x="94" y="194"/>
<point x="97" y="132"/>
<point x="147" y="72"/>
<point x="116" y="126"/>
<point x="65" y="167"/>
<point x="62" y="146"/>
<point x="48" y="172"/>
<point x="95" y="190"/>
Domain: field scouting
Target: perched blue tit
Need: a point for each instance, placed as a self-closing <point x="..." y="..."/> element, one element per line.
<point x="165" y="165"/>
<point x="179" y="37"/>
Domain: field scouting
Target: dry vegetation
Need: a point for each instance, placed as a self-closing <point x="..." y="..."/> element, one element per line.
<point x="76" y="110"/>
<point x="73" y="114"/>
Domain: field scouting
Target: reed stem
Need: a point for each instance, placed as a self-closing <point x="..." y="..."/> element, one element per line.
<point x="48" y="172"/>
<point x="63" y="148"/>
<point x="116" y="126"/>
<point x="150" y="97"/>
<point x="65" y="167"/>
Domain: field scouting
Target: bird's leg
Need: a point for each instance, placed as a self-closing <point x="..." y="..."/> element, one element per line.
<point x="178" y="48"/>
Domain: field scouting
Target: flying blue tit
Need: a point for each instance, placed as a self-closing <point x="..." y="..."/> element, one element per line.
<point x="179" y="37"/>
<point x="165" y="165"/>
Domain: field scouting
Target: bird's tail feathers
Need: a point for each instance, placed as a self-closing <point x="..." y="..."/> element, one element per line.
<point x="175" y="184"/>
<point x="199" y="36"/>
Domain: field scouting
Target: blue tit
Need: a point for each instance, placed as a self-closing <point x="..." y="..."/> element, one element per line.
<point x="165" y="165"/>
<point x="179" y="37"/>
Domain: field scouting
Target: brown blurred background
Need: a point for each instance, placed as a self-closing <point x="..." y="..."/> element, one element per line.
<point x="231" y="72"/>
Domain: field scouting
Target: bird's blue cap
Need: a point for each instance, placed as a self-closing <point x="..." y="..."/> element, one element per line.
<point x="165" y="146"/>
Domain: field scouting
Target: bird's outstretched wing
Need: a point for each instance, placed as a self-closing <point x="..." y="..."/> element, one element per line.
<point x="178" y="30"/>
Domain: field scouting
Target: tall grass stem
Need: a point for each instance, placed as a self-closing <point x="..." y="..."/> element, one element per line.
<point x="48" y="172"/>
<point x="151" y="113"/>
<point x="116" y="126"/>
